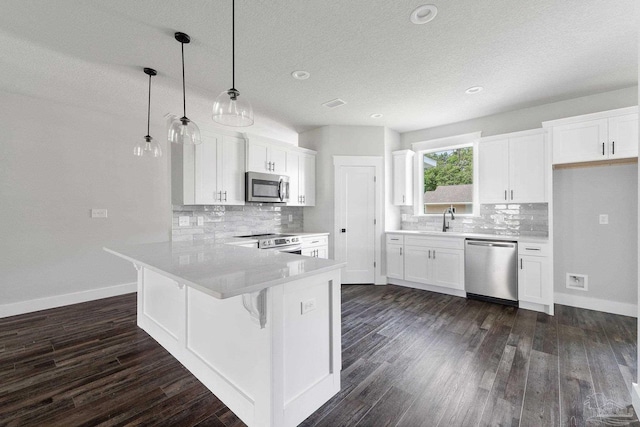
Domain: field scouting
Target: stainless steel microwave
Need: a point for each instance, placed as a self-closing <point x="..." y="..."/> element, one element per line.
<point x="266" y="187"/>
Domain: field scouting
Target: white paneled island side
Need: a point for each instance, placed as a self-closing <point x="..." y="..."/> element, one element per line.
<point x="260" y="329"/>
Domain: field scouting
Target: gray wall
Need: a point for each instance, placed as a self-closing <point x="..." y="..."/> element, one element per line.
<point x="608" y="254"/>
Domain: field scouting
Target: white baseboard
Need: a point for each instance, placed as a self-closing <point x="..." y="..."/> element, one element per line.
<point x="615" y="307"/>
<point x="30" y="306"/>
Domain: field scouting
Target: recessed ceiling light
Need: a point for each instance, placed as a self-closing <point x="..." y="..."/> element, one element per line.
<point x="300" y="75"/>
<point x="334" y="103"/>
<point x="423" y="14"/>
<point x="473" y="89"/>
<point x="376" y="116"/>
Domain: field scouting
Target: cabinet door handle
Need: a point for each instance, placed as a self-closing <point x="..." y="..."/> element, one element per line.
<point x="434" y="254"/>
<point x="603" y="148"/>
<point x="403" y="198"/>
<point x="613" y="147"/>
<point x="505" y="194"/>
<point x="220" y="196"/>
<point x="520" y="263"/>
<point x="225" y="196"/>
<point x="304" y="199"/>
<point x="429" y="254"/>
<point x="511" y="194"/>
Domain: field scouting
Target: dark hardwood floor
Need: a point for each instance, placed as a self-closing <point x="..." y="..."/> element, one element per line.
<point x="410" y="358"/>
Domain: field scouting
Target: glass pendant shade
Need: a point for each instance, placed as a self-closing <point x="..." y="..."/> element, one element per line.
<point x="231" y="110"/>
<point x="184" y="131"/>
<point x="148" y="147"/>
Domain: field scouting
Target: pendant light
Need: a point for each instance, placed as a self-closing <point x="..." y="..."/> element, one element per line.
<point x="148" y="147"/>
<point x="183" y="130"/>
<point x="228" y="108"/>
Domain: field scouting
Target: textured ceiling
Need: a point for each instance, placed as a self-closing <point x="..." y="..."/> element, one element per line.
<point x="365" y="52"/>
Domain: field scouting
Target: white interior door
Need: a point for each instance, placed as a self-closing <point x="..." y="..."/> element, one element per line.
<point x="355" y="215"/>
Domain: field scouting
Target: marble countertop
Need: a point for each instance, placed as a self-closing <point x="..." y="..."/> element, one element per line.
<point x="221" y="270"/>
<point x="531" y="239"/>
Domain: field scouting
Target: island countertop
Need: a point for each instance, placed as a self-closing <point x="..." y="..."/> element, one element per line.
<point x="222" y="271"/>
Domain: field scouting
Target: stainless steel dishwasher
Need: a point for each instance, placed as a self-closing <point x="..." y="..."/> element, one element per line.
<point x="491" y="270"/>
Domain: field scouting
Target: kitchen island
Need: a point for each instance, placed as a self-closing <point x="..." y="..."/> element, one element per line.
<point x="260" y="329"/>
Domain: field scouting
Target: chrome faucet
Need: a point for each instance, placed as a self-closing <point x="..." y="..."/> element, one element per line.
<point x="445" y="226"/>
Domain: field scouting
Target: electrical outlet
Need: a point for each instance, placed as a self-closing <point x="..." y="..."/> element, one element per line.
<point x="404" y="217"/>
<point x="183" y="221"/>
<point x="308" y="305"/>
<point x="98" y="213"/>
<point x="604" y="219"/>
<point x="200" y="221"/>
<point x="290" y="217"/>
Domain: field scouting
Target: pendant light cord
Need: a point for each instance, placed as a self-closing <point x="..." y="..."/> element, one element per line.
<point x="184" y="96"/>
<point x="149" y="107"/>
<point x="233" y="43"/>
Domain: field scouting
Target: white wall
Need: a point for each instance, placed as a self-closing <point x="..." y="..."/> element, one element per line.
<point x="331" y="141"/>
<point x="606" y="253"/>
<point x="66" y="147"/>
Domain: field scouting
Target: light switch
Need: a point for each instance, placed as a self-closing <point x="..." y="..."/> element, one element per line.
<point x="183" y="221"/>
<point x="604" y="219"/>
<point x="200" y="221"/>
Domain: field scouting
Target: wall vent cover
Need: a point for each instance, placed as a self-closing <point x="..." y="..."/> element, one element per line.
<point x="577" y="281"/>
<point x="334" y="103"/>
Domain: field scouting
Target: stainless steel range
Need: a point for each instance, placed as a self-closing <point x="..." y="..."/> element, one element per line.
<point x="289" y="243"/>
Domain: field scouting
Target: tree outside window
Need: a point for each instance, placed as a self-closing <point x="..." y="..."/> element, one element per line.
<point x="448" y="180"/>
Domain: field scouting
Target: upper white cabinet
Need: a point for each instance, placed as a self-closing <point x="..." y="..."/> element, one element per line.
<point x="266" y="156"/>
<point x="592" y="137"/>
<point x="513" y="168"/>
<point x="209" y="173"/>
<point x="301" y="169"/>
<point x="403" y="177"/>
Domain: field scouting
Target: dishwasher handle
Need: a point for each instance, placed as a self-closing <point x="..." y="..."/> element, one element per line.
<point x="491" y="244"/>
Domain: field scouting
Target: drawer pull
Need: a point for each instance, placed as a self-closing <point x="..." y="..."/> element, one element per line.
<point x="532" y="249"/>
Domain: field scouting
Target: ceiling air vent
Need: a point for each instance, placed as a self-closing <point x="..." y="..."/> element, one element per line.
<point x="334" y="103"/>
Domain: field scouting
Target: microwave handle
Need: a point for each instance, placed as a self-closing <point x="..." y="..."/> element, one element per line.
<point x="280" y="188"/>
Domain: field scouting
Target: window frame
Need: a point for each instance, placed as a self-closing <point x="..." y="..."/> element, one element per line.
<point x="442" y="144"/>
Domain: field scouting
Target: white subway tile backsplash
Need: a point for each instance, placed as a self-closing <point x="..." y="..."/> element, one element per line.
<point x="224" y="222"/>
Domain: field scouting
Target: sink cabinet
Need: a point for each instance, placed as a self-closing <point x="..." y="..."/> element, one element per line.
<point x="432" y="261"/>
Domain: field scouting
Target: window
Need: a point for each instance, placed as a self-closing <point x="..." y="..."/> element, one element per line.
<point x="448" y="180"/>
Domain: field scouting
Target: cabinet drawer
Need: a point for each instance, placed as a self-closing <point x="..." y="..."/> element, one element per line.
<point x="435" y="242"/>
<point x="309" y="242"/>
<point x="533" y="249"/>
<point x="396" y="239"/>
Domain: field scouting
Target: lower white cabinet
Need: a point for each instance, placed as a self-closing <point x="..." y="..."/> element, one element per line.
<point x="316" y="246"/>
<point x="395" y="256"/>
<point x="534" y="273"/>
<point x="427" y="260"/>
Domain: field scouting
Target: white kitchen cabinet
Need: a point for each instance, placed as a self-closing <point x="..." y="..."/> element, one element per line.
<point x="593" y="137"/>
<point x="211" y="173"/>
<point x="427" y="260"/>
<point x="403" y="177"/>
<point x="395" y="256"/>
<point x="301" y="170"/>
<point x="534" y="274"/>
<point x="316" y="246"/>
<point x="266" y="156"/>
<point x="513" y="168"/>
